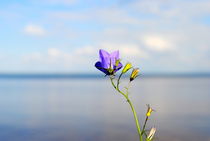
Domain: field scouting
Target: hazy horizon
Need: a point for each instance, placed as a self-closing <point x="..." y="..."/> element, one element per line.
<point x="96" y="75"/>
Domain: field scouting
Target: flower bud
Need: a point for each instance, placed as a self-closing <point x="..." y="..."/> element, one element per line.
<point x="151" y="134"/>
<point x="127" y="67"/>
<point x="149" y="110"/>
<point x="134" y="74"/>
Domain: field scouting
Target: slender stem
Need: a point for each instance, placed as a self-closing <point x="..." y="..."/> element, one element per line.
<point x="145" y="122"/>
<point x="113" y="82"/>
<point x="131" y="105"/>
<point x="118" y="80"/>
<point x="118" y="88"/>
<point x="136" y="119"/>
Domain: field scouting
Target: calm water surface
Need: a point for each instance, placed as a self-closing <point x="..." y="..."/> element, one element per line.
<point x="90" y="110"/>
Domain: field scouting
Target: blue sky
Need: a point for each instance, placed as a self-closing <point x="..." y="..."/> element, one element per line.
<point x="64" y="36"/>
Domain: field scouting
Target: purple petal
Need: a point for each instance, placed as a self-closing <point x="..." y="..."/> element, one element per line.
<point x="115" y="54"/>
<point x="105" y="58"/>
<point x="99" y="66"/>
<point x="114" y="57"/>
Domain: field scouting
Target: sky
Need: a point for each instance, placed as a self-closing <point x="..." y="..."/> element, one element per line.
<point x="64" y="36"/>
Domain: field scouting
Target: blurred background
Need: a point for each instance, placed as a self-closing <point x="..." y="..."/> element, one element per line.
<point x="50" y="89"/>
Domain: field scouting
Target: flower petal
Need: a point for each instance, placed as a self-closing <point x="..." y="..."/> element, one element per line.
<point x="114" y="57"/>
<point x="115" y="54"/>
<point x="105" y="58"/>
<point x="99" y="66"/>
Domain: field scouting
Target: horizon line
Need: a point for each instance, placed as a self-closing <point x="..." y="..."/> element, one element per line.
<point x="98" y="75"/>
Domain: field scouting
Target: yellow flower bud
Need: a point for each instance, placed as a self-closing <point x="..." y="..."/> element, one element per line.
<point x="134" y="74"/>
<point x="149" y="110"/>
<point x="151" y="134"/>
<point x="127" y="67"/>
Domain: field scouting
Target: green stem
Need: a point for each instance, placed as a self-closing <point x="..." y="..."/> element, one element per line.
<point x="113" y="82"/>
<point x="145" y="122"/>
<point x="118" y="80"/>
<point x="131" y="105"/>
<point x="116" y="88"/>
<point x="136" y="119"/>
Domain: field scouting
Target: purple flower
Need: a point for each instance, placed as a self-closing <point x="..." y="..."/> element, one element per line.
<point x="109" y="63"/>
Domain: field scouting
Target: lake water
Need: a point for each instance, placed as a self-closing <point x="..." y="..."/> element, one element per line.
<point x="91" y="110"/>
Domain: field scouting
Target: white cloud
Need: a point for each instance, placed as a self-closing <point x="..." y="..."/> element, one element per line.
<point x="157" y="43"/>
<point x="34" y="30"/>
<point x="63" y="59"/>
<point x="65" y="15"/>
<point x="132" y="50"/>
<point x="173" y="9"/>
<point x="100" y="15"/>
<point x="84" y="51"/>
<point x="115" y="16"/>
<point x="83" y="56"/>
<point x="54" y="52"/>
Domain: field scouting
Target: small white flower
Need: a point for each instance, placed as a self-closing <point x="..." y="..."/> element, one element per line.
<point x="151" y="134"/>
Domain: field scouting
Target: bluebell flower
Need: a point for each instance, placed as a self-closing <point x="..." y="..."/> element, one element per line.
<point x="109" y="62"/>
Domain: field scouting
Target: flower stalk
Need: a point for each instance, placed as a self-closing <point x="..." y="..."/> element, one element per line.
<point x="109" y="64"/>
<point x="131" y="105"/>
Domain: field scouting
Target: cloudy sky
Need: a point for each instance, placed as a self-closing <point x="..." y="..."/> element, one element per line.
<point x="64" y="36"/>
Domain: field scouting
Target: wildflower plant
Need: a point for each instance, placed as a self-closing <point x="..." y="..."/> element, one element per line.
<point x="110" y="63"/>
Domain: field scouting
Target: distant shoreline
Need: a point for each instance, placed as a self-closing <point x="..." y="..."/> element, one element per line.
<point x="86" y="76"/>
